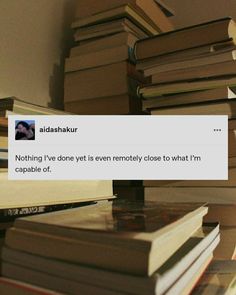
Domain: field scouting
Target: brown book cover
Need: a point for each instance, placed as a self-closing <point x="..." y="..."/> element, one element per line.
<point x="109" y="80"/>
<point x="200" y="96"/>
<point x="134" y="233"/>
<point x="189" y="37"/>
<point x="112" y="105"/>
<point x="113" y="41"/>
<point x="227" y="108"/>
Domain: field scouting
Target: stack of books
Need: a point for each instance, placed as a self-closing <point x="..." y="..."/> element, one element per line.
<point x="193" y="72"/>
<point x="100" y="74"/>
<point x="112" y="248"/>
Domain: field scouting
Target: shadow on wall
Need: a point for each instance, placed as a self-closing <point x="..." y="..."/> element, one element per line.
<point x="56" y="81"/>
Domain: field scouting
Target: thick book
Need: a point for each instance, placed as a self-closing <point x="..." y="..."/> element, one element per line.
<point x="132" y="13"/>
<point x="21" y="107"/>
<point x="108" y="42"/>
<point x="214" y="195"/>
<point x="111" y="105"/>
<point x="210" y="59"/>
<point x="99" y="58"/>
<point x="109" y="80"/>
<point x="149" y="7"/>
<point x="200" y="72"/>
<point x="186" y="86"/>
<point x="200" y="96"/>
<point x="189" y="37"/>
<point x="164" y="278"/>
<point x="187" y="54"/>
<point x="94" y="32"/>
<point x="17" y="193"/>
<point x="227" y="108"/>
<point x="219" y="278"/>
<point x="133" y="237"/>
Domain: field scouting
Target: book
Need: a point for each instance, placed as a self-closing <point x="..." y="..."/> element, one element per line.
<point x="199" y="72"/>
<point x="135" y="234"/>
<point x="21" y="107"/>
<point x="182" y="87"/>
<point x="18" y="193"/>
<point x="108" y="42"/>
<point x="207" y="95"/>
<point x="210" y="59"/>
<point x="149" y="7"/>
<point x="109" y="80"/>
<point x="111" y="105"/>
<point x="185" y="38"/>
<point x="219" y="278"/>
<point x="165" y="277"/>
<point x="99" y="58"/>
<point x="88" y="34"/>
<point x="187" y="55"/>
<point x="227" y="246"/>
<point x="13" y="287"/>
<point x="132" y="13"/>
<point x="227" y="107"/>
<point x="215" y="195"/>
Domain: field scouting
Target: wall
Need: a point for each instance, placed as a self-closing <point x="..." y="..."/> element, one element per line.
<point x="35" y="37"/>
<point x="190" y="12"/>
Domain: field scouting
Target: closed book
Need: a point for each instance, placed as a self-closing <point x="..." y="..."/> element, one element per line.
<point x="199" y="72"/>
<point x="135" y="15"/>
<point x="200" y="96"/>
<point x="208" y="59"/>
<point x="133" y="237"/>
<point x="149" y="7"/>
<point x="22" y="107"/>
<point x="113" y="41"/>
<point x="109" y="80"/>
<point x="164" y="278"/>
<point x="16" y="193"/>
<point x="227" y="108"/>
<point x="112" y="105"/>
<point x="187" y="54"/>
<point x="189" y="37"/>
<point x="96" y="31"/>
<point x="99" y="58"/>
<point x="182" y="87"/>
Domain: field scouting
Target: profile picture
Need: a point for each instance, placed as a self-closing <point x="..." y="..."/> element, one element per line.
<point x="25" y="130"/>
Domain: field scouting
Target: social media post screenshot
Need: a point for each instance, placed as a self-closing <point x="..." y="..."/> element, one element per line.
<point x="118" y="148"/>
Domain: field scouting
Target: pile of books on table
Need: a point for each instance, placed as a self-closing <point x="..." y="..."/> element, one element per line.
<point x="111" y="248"/>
